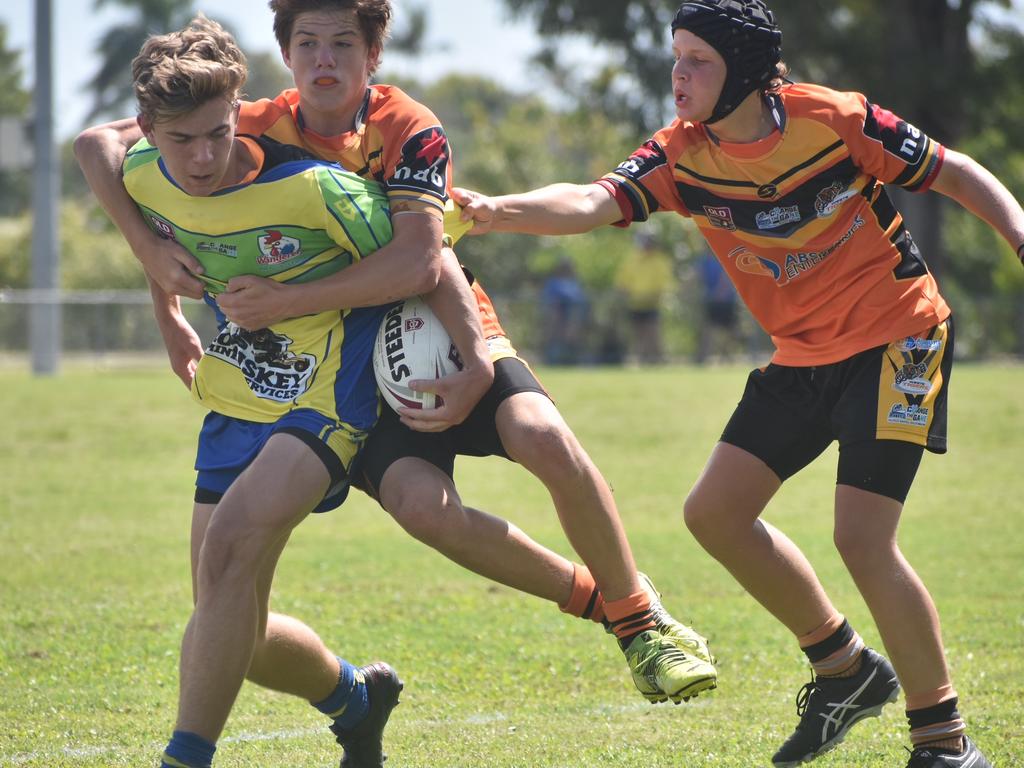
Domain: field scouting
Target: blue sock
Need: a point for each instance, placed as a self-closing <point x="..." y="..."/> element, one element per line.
<point x="187" y="750"/>
<point x="349" y="702"/>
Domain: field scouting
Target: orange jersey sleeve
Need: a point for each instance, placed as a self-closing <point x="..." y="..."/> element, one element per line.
<point x="800" y="220"/>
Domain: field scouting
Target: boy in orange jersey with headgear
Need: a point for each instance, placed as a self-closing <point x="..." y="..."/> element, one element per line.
<point x="786" y="183"/>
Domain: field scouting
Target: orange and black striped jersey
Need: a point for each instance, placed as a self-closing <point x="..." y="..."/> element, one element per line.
<point x="800" y="220"/>
<point x="397" y="142"/>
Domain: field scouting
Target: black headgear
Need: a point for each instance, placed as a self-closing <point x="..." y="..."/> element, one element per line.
<point x="745" y="34"/>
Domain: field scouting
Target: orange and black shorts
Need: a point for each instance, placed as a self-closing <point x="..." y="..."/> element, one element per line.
<point x="885" y="406"/>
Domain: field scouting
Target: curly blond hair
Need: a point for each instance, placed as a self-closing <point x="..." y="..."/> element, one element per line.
<point x="177" y="72"/>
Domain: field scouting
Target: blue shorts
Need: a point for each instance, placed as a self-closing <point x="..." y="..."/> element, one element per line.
<point x="228" y="445"/>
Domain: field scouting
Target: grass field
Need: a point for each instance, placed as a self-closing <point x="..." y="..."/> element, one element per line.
<point x="95" y="495"/>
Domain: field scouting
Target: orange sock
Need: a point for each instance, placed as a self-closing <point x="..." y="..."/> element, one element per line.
<point x="630" y="616"/>
<point x="586" y="600"/>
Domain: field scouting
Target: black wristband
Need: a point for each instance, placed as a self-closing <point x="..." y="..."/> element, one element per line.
<point x="1020" y="252"/>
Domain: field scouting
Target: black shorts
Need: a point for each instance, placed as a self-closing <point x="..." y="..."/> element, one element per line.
<point x="884" y="405"/>
<point x="391" y="440"/>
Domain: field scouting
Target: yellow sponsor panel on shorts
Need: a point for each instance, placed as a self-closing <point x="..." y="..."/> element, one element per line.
<point x="909" y="384"/>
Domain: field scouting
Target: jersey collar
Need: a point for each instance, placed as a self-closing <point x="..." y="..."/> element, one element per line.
<point x="776" y="109"/>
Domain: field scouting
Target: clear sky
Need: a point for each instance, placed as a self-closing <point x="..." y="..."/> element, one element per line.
<point x="465" y="35"/>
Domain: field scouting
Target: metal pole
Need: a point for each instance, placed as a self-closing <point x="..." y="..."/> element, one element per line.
<point x="45" y="317"/>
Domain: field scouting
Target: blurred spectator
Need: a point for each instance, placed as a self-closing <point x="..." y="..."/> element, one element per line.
<point x="564" y="308"/>
<point x="646" y="279"/>
<point x="719" y="324"/>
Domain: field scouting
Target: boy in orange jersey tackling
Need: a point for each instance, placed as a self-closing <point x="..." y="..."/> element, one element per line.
<point x="786" y="183"/>
<point x="377" y="131"/>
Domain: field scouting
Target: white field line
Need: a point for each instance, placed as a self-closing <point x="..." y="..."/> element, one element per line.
<point x="484" y="718"/>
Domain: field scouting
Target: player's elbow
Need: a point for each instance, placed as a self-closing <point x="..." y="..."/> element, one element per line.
<point x="86" y="143"/>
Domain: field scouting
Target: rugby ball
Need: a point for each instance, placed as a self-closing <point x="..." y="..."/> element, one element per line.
<point x="412" y="344"/>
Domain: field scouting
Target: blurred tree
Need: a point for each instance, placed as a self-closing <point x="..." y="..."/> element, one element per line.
<point x="93" y="254"/>
<point x="408" y="37"/>
<point x="111" y="85"/>
<point x="14" y="98"/>
<point x="268" y="75"/>
<point x="14" y="101"/>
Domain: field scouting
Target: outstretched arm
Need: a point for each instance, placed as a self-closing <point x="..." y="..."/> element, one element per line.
<point x="558" y="209"/>
<point x="100" y="152"/>
<point x="969" y="183"/>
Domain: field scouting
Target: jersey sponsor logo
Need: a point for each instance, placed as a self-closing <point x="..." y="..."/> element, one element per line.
<point x="720" y="217"/>
<point x="910" y="379"/>
<point x="911" y="344"/>
<point x="162" y="227"/>
<point x="749" y="262"/>
<point x="221" y="249"/>
<point x="799" y="263"/>
<point x="776" y="217"/>
<point x="271" y="372"/>
<point x="424" y="163"/>
<point x="909" y="415"/>
<point x="795" y="265"/>
<point x="767" y="192"/>
<point x="276" y="248"/>
<point x="831" y="197"/>
<point x="898" y="137"/>
<point x="393" y="346"/>
<point x="644" y="160"/>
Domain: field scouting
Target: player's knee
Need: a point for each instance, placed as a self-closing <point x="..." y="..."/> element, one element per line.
<point x="858" y="545"/>
<point x="229" y="553"/>
<point x="698" y="515"/>
<point x="547" y="446"/>
<point x="426" y="518"/>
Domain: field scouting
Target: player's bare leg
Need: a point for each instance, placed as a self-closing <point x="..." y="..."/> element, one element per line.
<point x="667" y="659"/>
<point x="865" y="535"/>
<point x="424" y="501"/>
<point x="723" y="511"/>
<point x="535" y="436"/>
<point x="242" y="537"/>
<point x="289" y="657"/>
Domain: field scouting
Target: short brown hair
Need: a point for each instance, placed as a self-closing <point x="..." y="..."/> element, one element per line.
<point x="779" y="79"/>
<point x="374" y="17"/>
<point x="177" y="72"/>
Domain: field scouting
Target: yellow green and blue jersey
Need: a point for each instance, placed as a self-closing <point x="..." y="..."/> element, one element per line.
<point x="297" y="220"/>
